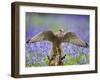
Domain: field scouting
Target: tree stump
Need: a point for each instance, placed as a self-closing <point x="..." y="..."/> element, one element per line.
<point x="56" y="60"/>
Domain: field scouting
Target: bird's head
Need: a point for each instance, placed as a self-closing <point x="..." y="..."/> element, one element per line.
<point x="61" y="31"/>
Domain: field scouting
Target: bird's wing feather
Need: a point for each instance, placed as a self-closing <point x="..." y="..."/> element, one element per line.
<point x="74" y="39"/>
<point x="46" y="35"/>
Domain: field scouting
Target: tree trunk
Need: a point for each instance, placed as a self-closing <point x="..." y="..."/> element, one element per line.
<point x="56" y="60"/>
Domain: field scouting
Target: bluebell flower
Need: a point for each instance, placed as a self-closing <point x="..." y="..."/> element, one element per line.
<point x="45" y="51"/>
<point x="64" y="47"/>
<point x="85" y="50"/>
<point x="78" y="48"/>
<point x="82" y="61"/>
<point x="38" y="44"/>
<point x="33" y="58"/>
<point x="72" y="53"/>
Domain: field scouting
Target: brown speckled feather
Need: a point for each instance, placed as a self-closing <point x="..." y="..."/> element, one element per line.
<point x="74" y="39"/>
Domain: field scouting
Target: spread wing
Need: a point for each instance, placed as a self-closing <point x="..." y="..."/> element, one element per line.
<point x="74" y="39"/>
<point x="46" y="35"/>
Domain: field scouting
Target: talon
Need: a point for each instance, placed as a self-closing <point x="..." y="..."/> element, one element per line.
<point x="63" y="57"/>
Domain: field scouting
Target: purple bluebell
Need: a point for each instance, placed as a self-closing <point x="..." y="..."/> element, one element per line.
<point x="82" y="61"/>
<point x="33" y="58"/>
<point x="72" y="53"/>
<point x="85" y="51"/>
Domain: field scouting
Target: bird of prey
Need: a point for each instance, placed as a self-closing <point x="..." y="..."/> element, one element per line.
<point x="57" y="39"/>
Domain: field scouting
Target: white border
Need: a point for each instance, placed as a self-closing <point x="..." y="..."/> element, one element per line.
<point x="38" y="70"/>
